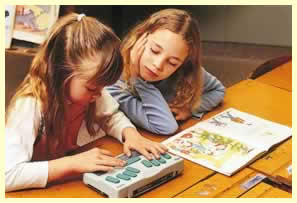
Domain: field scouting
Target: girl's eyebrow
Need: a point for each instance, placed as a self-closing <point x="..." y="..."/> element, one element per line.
<point x="159" y="46"/>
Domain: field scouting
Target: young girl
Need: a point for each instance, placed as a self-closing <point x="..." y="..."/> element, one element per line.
<point x="61" y="105"/>
<point x="163" y="81"/>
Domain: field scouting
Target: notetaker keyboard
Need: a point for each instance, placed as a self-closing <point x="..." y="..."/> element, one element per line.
<point x="138" y="176"/>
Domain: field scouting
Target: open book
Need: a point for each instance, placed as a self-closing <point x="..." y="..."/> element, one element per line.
<point x="227" y="141"/>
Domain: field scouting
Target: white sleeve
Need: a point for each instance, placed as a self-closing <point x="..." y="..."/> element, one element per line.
<point x="107" y="105"/>
<point x="20" y="135"/>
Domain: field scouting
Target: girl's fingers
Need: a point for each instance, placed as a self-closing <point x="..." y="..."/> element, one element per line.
<point x="105" y="152"/>
<point x="138" y="54"/>
<point x="155" y="152"/>
<point x="142" y="38"/>
<point x="102" y="168"/>
<point x="161" y="148"/>
<point x="110" y="161"/>
<point x="141" y="50"/>
<point x="138" y="51"/>
<point x="145" y="153"/>
<point x="127" y="150"/>
<point x="140" y="43"/>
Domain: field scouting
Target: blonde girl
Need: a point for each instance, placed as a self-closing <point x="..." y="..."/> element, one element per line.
<point x="163" y="80"/>
<point x="61" y="105"/>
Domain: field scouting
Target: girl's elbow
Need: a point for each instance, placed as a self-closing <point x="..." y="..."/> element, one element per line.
<point x="9" y="183"/>
<point x="223" y="93"/>
<point x="167" y="129"/>
<point x="220" y="95"/>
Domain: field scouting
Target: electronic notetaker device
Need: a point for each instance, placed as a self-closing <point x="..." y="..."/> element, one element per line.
<point x="138" y="176"/>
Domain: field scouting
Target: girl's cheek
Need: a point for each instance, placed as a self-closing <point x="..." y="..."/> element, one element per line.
<point x="146" y="55"/>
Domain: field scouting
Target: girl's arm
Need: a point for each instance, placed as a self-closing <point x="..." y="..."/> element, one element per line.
<point x="20" y="135"/>
<point x="22" y="173"/>
<point x="213" y="92"/>
<point x="117" y="121"/>
<point x="150" y="111"/>
<point x="120" y="127"/>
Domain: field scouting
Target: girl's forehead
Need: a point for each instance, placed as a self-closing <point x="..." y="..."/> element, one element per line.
<point x="170" y="42"/>
<point x="84" y="80"/>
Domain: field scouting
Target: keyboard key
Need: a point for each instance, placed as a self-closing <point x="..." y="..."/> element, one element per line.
<point x="133" y="154"/>
<point x="162" y="161"/>
<point x="146" y="163"/>
<point x="166" y="156"/>
<point x="155" y="162"/>
<point x="99" y="173"/>
<point x="122" y="176"/>
<point x="134" y="170"/>
<point x="132" y="160"/>
<point x="129" y="173"/>
<point x="112" y="179"/>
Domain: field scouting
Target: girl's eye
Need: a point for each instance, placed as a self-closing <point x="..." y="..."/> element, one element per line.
<point x="173" y="64"/>
<point x="154" y="51"/>
<point x="91" y="90"/>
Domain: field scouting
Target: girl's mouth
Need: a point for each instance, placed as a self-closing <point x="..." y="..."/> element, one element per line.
<point x="151" y="73"/>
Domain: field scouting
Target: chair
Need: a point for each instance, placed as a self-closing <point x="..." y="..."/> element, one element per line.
<point x="269" y="66"/>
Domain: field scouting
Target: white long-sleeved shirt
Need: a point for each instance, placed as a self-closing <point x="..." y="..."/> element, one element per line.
<point x="21" y="133"/>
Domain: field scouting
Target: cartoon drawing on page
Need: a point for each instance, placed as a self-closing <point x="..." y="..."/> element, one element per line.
<point x="211" y="147"/>
<point x="216" y="122"/>
<point x="235" y="119"/>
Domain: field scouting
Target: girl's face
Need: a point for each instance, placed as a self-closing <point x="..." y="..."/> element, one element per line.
<point x="164" y="53"/>
<point x="82" y="93"/>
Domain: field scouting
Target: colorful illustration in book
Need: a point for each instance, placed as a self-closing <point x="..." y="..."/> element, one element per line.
<point x="235" y="119"/>
<point x="217" y="122"/>
<point x="202" y="144"/>
<point x="224" y="119"/>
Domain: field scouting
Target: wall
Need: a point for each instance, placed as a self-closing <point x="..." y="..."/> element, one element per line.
<point x="269" y="25"/>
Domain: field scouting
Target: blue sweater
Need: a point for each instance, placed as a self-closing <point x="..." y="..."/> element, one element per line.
<point x="150" y="110"/>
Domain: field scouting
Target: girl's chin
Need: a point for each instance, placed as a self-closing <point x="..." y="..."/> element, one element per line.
<point x="147" y="78"/>
<point x="80" y="103"/>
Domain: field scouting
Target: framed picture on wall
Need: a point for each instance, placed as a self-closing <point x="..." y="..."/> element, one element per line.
<point x="33" y="22"/>
<point x="9" y="23"/>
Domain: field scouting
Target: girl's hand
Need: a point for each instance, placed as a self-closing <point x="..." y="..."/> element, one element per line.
<point x="134" y="141"/>
<point x="181" y="113"/>
<point x="94" y="160"/>
<point x="135" y="55"/>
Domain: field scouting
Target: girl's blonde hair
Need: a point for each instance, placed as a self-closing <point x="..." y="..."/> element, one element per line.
<point x="75" y="47"/>
<point x="189" y="74"/>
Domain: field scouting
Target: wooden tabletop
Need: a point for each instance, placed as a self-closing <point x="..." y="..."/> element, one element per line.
<point x="280" y="77"/>
<point x="76" y="188"/>
<point x="251" y="96"/>
<point x="267" y="102"/>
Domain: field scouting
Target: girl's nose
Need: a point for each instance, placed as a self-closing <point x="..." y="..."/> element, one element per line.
<point x="95" y="96"/>
<point x="158" y="63"/>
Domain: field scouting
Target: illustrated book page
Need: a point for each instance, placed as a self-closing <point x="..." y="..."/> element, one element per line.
<point x="228" y="141"/>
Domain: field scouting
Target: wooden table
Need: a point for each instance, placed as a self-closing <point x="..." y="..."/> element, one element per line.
<point x="267" y="102"/>
<point x="251" y="96"/>
<point x="280" y="77"/>
<point x="76" y="188"/>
